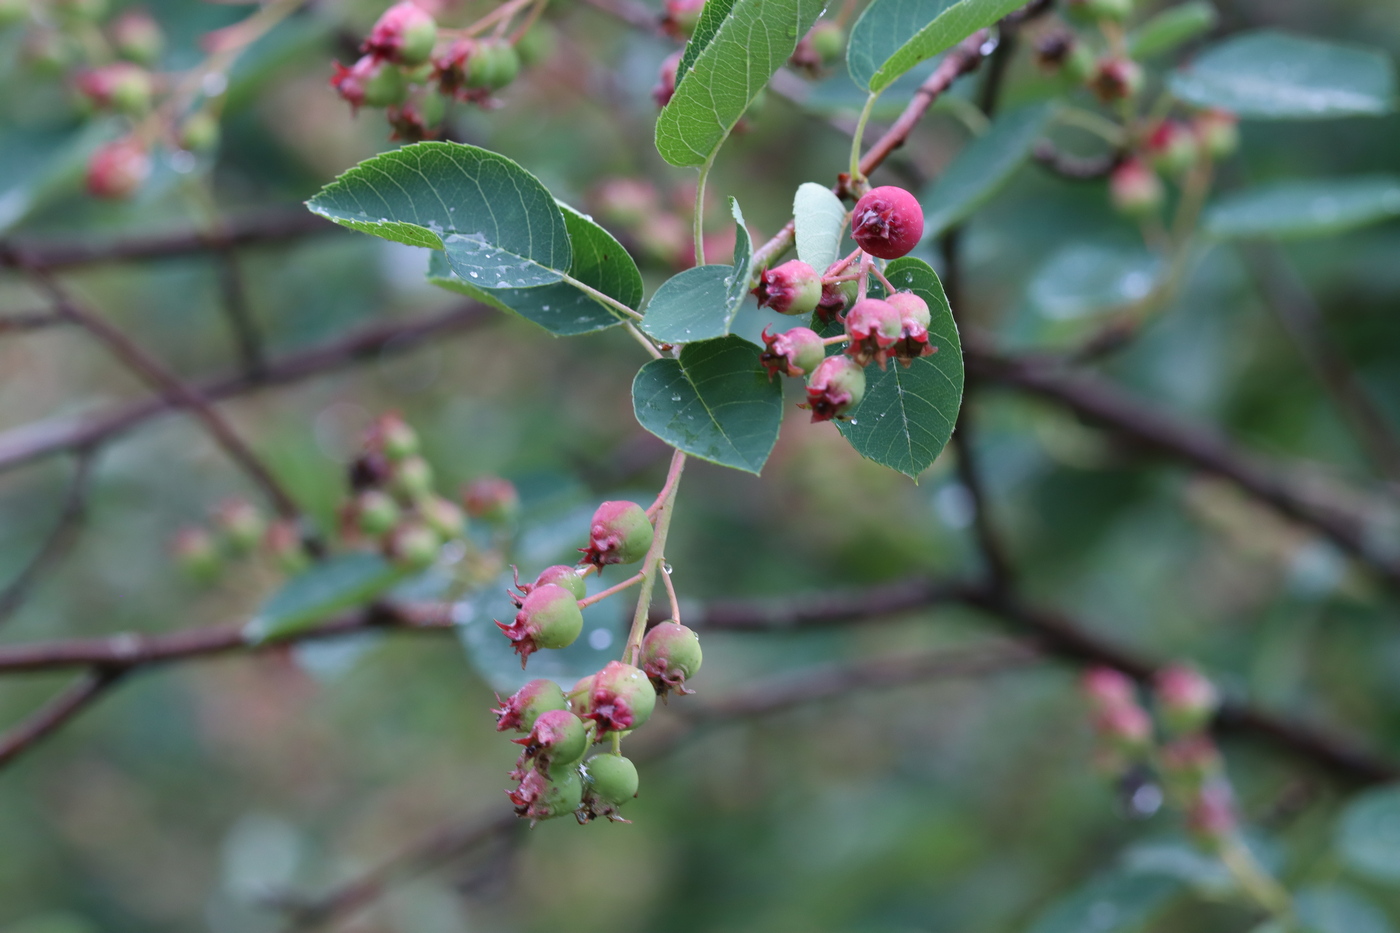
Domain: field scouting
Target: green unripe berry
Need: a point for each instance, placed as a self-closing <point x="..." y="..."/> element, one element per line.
<point x="527" y="704"/>
<point x="543" y="797"/>
<point x="412" y="479"/>
<point x="385" y="86"/>
<point x="493" y="64"/>
<point x="609" y="781"/>
<point x="557" y="741"/>
<point x="394" y="437"/>
<point x="536" y="45"/>
<point x="414" y="546"/>
<point x="197" y="555"/>
<point x="670" y="656"/>
<point x="565" y="576"/>
<point x="200" y="132"/>
<point x="549" y="617"/>
<point x="622" y="698"/>
<point x="240" y="524"/>
<point x="620" y="533"/>
<point x="442" y="516"/>
<point x="828" y="41"/>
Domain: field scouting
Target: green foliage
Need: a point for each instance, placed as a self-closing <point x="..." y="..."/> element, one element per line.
<point x="1368" y="835"/>
<point x="818" y="217"/>
<point x="892" y="36"/>
<point x="332" y="586"/>
<point x="1304" y="208"/>
<point x="1338" y="910"/>
<point x="1172" y="27"/>
<point x="700" y="303"/>
<point x="1118" y="902"/>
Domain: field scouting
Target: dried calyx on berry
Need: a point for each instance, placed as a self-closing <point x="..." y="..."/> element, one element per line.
<point x="874" y="326"/>
<point x="527" y="704"/>
<point x="370" y="82"/>
<point x="914" y="319"/>
<point x="559" y="575"/>
<point x="609" y="781"/>
<point x="887" y="222"/>
<point x="835" y="387"/>
<point x="836" y="298"/>
<point x="795" y="352"/>
<point x="621" y="698"/>
<point x="556" y="741"/>
<point x="620" y="533"/>
<point x="405" y="33"/>
<point x="548" y="618"/>
<point x="791" y="288"/>
<point x="670" y="656"/>
<point x="543" y="797"/>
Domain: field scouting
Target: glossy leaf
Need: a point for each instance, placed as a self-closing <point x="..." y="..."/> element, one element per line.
<point x="716" y="403"/>
<point x="1085" y="278"/>
<point x="1296" y="209"/>
<point x="496" y="224"/>
<point x="599" y="261"/>
<point x="1338" y="910"/>
<point x="1118" y="902"/>
<point x="818" y="217"/>
<point x="907" y="415"/>
<point x="700" y="303"/>
<point x="983" y="167"/>
<point x="736" y="61"/>
<point x="893" y="36"/>
<point x="1171" y="28"/>
<point x="712" y="15"/>
<point x="1274" y="75"/>
<point x="1368" y="834"/>
<point x="332" y="586"/>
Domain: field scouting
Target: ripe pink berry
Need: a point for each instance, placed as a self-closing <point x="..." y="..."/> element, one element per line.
<point x="793" y="353"/>
<point x="1135" y="189"/>
<point x="670" y="655"/>
<point x="1185" y="698"/>
<point x="874" y="326"/>
<point x="666" y="80"/>
<point x="1210" y="817"/>
<point x="1105" y="687"/>
<point x="791" y="288"/>
<point x="914" y="319"/>
<point x="117" y="169"/>
<point x="404" y="33"/>
<point x="622" y="698"/>
<point x="548" y="618"/>
<point x="887" y="223"/>
<point x="835" y="387"/>
<point x="526" y="704"/>
<point x="620" y="533"/>
<point x="1127" y="728"/>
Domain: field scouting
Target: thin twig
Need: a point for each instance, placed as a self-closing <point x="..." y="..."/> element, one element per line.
<point x="59" y="540"/>
<point x="51" y="717"/>
<point x="238" y="314"/>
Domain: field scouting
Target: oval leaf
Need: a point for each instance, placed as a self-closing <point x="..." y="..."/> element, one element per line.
<point x="1274" y="75"/>
<point x="715" y="402"/>
<point x="599" y="262"/>
<point x="1118" y="902"/>
<point x="1171" y="28"/>
<point x="893" y="36"/>
<point x="908" y="414"/>
<point x="1085" y="278"/>
<point x="1337" y="910"/>
<point x="818" y="217"/>
<point x="1368" y="835"/>
<point x="749" y="45"/>
<point x="700" y="303"/>
<point x="983" y="167"/>
<point x="332" y="586"/>
<point x="1295" y="209"/>
<point x="496" y="223"/>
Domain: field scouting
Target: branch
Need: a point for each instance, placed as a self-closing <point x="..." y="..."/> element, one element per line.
<point x="31" y="442"/>
<point x="85" y="691"/>
<point x="60" y="539"/>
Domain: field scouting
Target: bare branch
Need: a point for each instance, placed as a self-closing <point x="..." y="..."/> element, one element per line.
<point x="60" y="539"/>
<point x="85" y="691"/>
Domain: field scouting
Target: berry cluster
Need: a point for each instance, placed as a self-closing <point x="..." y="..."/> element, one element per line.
<point x="1173" y="148"/>
<point x="558" y="728"/>
<point x="412" y="68"/>
<point x="237" y="530"/>
<point x="1177" y="749"/>
<point x="886" y="223"/>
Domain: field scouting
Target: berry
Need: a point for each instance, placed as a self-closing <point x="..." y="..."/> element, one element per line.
<point x="117" y="169"/>
<point x="626" y="202"/>
<point x="793" y="353"/>
<point x="620" y="533"/>
<point x="1105" y="687"/>
<point x="621" y="698"/>
<point x="195" y="553"/>
<point x="549" y="617"/>
<point x="1185" y="698"/>
<point x="369" y="470"/>
<point x="283" y="544"/>
<point x="557" y="740"/>
<point x="666" y="80"/>
<point x="492" y="65"/>
<point x="681" y="17"/>
<point x="792" y="288"/>
<point x="1173" y="147"/>
<point x="1116" y="79"/>
<point x="405" y="33"/>
<point x="609" y="781"/>
<point x="393" y="437"/>
<point x="914" y="319"/>
<point x="442" y="516"/>
<point x="874" y="326"/>
<point x="411" y="479"/>
<point x="121" y="86"/>
<point x="199" y="132"/>
<point x="578" y="696"/>
<point x="527" y="704"/>
<point x="1190" y="761"/>
<point x="137" y="37"/>
<point x="1210" y="817"/>
<point x="670" y="656"/>
<point x="413" y="546"/>
<point x="491" y="499"/>
<point x="48" y="52"/>
<point x="1135" y="189"/>
<point x="559" y="575"/>
<point x="370" y="82"/>
<point x="1126" y="728"/>
<point x="374" y="512"/>
<point x="887" y="223"/>
<point x="828" y="41"/>
<point x="542" y="797"/>
<point x="835" y="387"/>
<point x="836" y="297"/>
<point x="417" y="118"/>
<point x="1218" y="132"/>
<point x="240" y="525"/>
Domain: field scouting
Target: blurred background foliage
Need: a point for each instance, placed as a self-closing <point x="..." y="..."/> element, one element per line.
<point x="195" y="794"/>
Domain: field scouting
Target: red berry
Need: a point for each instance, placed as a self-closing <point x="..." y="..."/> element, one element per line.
<point x="117" y="169"/>
<point x="874" y="326"/>
<point x="620" y="533"/>
<point x="887" y="223"/>
<point x="405" y="33"/>
<point x="622" y="698"/>
<point x="793" y="353"/>
<point x="835" y="387"/>
<point x="548" y="618"/>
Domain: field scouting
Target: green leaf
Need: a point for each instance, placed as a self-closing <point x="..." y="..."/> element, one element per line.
<point x="716" y="403"/>
<point x="983" y="167"/>
<point x="1274" y="75"/>
<point x="700" y="303"/>
<point x="1085" y="278"/>
<point x="1295" y="209"/>
<point x="818" y="217"/>
<point x="893" y="36"/>
<point x="330" y="587"/>
<point x="908" y="414"/>
<point x="1117" y="902"/>
<point x="1337" y="910"/>
<point x="748" y="46"/>
<point x="562" y="309"/>
<point x="496" y="223"/>
<point x="1368" y="834"/>
<point x="712" y="16"/>
<point x="1172" y="27"/>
